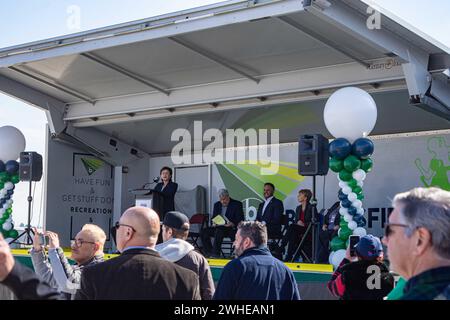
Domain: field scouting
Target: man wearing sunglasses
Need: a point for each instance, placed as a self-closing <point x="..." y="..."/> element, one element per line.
<point x="418" y="241"/>
<point x="138" y="273"/>
<point x="87" y="250"/>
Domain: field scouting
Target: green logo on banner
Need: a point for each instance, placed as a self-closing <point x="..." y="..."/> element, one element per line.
<point x="436" y="173"/>
<point x="92" y="165"/>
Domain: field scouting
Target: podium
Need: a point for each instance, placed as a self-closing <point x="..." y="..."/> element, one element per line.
<point x="150" y="198"/>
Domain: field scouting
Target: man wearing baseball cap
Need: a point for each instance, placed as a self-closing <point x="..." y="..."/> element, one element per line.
<point x="175" y="248"/>
<point x="364" y="277"/>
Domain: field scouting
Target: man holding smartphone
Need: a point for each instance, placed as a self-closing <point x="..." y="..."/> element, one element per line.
<point x="55" y="269"/>
<point x="363" y="276"/>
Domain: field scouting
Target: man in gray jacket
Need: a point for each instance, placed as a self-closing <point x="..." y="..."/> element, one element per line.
<point x="87" y="249"/>
<point x="175" y="248"/>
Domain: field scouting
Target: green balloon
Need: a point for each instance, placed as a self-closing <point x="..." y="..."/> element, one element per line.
<point x="352" y="163"/>
<point x="336" y="165"/>
<point x="15" y="179"/>
<point x="367" y="164"/>
<point x="13" y="233"/>
<point x="344" y="175"/>
<point x="9" y="211"/>
<point x="352" y="183"/>
<point x="343" y="224"/>
<point x="2" y="185"/>
<point x="360" y="196"/>
<point x="337" y="244"/>
<point x="4" y="176"/>
<point x="344" y="233"/>
<point x="357" y="189"/>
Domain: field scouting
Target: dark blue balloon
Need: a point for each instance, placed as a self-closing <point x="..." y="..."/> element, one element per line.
<point x="7" y="197"/>
<point x="358" y="217"/>
<point x="10" y="192"/>
<point x="12" y="166"/>
<point x="362" y="148"/>
<point x="340" y="148"/>
<point x="346" y="203"/>
<point x="362" y="222"/>
<point x="2" y="166"/>
<point x="341" y="195"/>
<point x="352" y="211"/>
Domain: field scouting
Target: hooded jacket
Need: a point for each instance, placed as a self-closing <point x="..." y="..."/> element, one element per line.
<point x="182" y="253"/>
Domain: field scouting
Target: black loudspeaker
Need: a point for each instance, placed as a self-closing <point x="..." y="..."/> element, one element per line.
<point x="30" y="166"/>
<point x="313" y="155"/>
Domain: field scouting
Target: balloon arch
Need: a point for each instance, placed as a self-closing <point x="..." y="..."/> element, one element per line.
<point x="12" y="143"/>
<point x="350" y="115"/>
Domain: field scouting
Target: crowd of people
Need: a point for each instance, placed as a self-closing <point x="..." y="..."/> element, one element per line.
<point x="417" y="237"/>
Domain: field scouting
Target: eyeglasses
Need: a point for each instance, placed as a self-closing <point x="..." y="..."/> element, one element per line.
<point x="388" y="229"/>
<point x="118" y="225"/>
<point x="79" y="242"/>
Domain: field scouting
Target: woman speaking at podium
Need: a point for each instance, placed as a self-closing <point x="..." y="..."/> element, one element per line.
<point x="167" y="189"/>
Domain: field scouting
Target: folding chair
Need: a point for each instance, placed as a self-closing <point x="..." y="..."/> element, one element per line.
<point x="197" y="223"/>
<point x="227" y="246"/>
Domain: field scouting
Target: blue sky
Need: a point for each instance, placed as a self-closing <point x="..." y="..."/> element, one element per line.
<point x="24" y="21"/>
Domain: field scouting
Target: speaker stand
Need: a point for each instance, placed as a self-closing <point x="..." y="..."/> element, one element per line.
<point x="311" y="228"/>
<point x="28" y="231"/>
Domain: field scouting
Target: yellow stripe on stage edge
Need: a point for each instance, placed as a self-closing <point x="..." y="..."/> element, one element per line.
<point x="24" y="252"/>
<point x="307" y="267"/>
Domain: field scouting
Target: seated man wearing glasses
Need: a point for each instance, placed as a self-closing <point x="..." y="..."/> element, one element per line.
<point x="87" y="250"/>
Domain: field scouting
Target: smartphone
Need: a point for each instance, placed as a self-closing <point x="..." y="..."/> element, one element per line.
<point x="43" y="239"/>
<point x="353" y="242"/>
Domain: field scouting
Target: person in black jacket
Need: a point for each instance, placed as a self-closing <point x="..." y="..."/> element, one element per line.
<point x="364" y="277"/>
<point x="168" y="190"/>
<point x="270" y="211"/>
<point x="329" y="229"/>
<point x="232" y="212"/>
<point x="138" y="273"/>
<point x="295" y="232"/>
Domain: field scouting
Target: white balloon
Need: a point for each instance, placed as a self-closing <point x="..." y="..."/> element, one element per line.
<point x="2" y="211"/>
<point x="2" y="193"/>
<point x="337" y="257"/>
<point x="360" y="211"/>
<point x="359" y="175"/>
<point x="346" y="190"/>
<point x="357" y="204"/>
<point x="342" y="184"/>
<point x="12" y="143"/>
<point x="343" y="211"/>
<point x="352" y="196"/>
<point x="348" y="218"/>
<point x="9" y="185"/>
<point x="352" y="225"/>
<point x="330" y="257"/>
<point x="360" y="232"/>
<point x="7" y="226"/>
<point x="350" y="113"/>
<point x="360" y="183"/>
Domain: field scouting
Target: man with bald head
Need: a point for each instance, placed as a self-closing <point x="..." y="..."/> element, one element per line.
<point x="139" y="272"/>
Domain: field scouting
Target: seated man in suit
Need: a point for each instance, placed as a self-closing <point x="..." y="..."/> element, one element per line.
<point x="270" y="211"/>
<point x="231" y="211"/>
